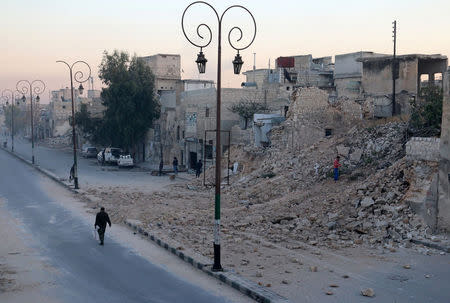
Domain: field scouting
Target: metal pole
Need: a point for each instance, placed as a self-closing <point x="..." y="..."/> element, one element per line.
<point x="204" y="161"/>
<point x="229" y="151"/>
<point x="217" y="266"/>
<point x="75" y="164"/>
<point x="394" y="69"/>
<point x="80" y="77"/>
<point x="32" y="126"/>
<point x="12" y="123"/>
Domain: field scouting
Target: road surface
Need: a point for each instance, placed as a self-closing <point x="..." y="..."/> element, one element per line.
<point x="77" y="269"/>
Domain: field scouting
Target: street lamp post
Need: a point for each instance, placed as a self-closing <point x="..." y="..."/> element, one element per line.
<point x="79" y="77"/>
<point x="10" y="97"/>
<point x="201" y="64"/>
<point x="37" y="87"/>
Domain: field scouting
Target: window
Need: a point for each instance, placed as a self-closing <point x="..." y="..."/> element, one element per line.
<point x="178" y="132"/>
<point x="207" y="112"/>
<point x="328" y="132"/>
<point x="183" y="134"/>
<point x="287" y="87"/>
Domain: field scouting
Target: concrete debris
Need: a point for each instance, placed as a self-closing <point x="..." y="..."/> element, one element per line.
<point x="369" y="292"/>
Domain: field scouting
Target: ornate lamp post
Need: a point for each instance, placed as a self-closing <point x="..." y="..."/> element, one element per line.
<point x="37" y="87"/>
<point x="201" y="64"/>
<point x="79" y="77"/>
<point x="9" y="95"/>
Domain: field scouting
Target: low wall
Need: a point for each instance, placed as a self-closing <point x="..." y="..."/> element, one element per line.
<point x="418" y="148"/>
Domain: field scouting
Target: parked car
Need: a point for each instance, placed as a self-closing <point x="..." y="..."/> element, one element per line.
<point x="111" y="155"/>
<point x="125" y="161"/>
<point x="89" y="152"/>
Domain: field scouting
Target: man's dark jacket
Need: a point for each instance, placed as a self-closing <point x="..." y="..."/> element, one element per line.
<point x="101" y="219"/>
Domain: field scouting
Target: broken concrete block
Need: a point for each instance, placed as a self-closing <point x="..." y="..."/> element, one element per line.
<point x="369" y="292"/>
<point x="355" y="156"/>
<point x="343" y="150"/>
<point x="366" y="202"/>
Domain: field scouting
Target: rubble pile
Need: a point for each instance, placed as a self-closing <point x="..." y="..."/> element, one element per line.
<point x="58" y="142"/>
<point x="290" y="196"/>
<point x="287" y="197"/>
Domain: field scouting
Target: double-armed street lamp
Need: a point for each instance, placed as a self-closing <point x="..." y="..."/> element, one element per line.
<point x="201" y="64"/>
<point x="35" y="87"/>
<point x="10" y="96"/>
<point x="79" y="77"/>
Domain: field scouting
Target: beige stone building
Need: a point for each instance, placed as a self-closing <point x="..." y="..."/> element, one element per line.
<point x="167" y="70"/>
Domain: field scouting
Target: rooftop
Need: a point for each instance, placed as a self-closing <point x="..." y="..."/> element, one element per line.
<point x="403" y="57"/>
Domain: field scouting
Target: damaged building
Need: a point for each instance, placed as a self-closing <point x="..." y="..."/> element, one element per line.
<point x="412" y="72"/>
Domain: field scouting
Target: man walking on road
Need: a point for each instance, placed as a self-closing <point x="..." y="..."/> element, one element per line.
<point x="100" y="220"/>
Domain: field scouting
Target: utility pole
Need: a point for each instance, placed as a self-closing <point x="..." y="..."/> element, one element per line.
<point x="394" y="66"/>
<point x="254" y="67"/>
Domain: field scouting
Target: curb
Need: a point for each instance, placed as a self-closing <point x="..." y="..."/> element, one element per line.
<point x="431" y="245"/>
<point x="41" y="170"/>
<point x="247" y="287"/>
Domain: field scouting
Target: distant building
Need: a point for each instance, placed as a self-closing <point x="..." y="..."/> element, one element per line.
<point x="167" y="70"/>
<point x="348" y="72"/>
<point x="413" y="72"/>
<point x="305" y="71"/>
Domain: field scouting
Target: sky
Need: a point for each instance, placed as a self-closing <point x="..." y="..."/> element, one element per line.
<point x="34" y="34"/>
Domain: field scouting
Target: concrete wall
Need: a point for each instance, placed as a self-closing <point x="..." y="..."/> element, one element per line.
<point x="348" y="87"/>
<point x="348" y="73"/>
<point x="260" y="76"/>
<point x="377" y="77"/>
<point x="310" y="113"/>
<point x="164" y="65"/>
<point x="444" y="165"/>
<point x="418" y="148"/>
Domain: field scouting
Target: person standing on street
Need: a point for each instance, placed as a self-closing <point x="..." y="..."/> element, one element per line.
<point x="336" y="165"/>
<point x="175" y="165"/>
<point x="100" y="220"/>
<point x="198" y="168"/>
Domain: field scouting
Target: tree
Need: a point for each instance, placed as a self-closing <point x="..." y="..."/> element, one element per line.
<point x="87" y="124"/>
<point x="20" y="118"/>
<point x="129" y="98"/>
<point x="246" y="109"/>
<point x="426" y="113"/>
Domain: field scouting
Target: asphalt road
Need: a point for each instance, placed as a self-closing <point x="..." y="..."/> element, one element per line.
<point x="86" y="272"/>
<point x="59" y="162"/>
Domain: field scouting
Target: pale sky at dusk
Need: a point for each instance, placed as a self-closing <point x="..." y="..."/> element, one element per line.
<point x="34" y="34"/>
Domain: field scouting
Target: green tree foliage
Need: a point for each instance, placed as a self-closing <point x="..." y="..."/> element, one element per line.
<point x="20" y="118"/>
<point x="88" y="125"/>
<point x="426" y="113"/>
<point x="247" y="108"/>
<point x="129" y="98"/>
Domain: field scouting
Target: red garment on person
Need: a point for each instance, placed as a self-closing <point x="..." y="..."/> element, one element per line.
<point x="336" y="163"/>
